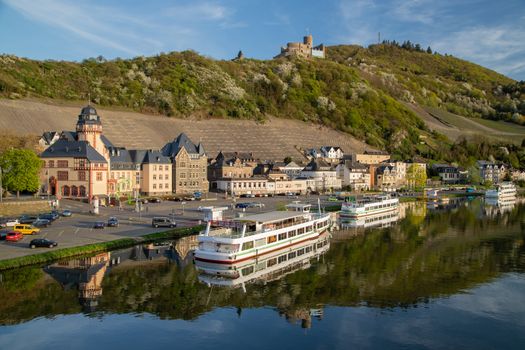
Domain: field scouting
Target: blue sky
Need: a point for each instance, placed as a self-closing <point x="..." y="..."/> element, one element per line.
<point x="488" y="32"/>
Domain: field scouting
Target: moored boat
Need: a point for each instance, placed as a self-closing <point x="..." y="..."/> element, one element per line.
<point x="264" y="269"/>
<point x="503" y="192"/>
<point x="369" y="205"/>
<point x="247" y="237"/>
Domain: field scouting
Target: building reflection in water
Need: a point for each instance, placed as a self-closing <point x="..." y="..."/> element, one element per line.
<point x="86" y="274"/>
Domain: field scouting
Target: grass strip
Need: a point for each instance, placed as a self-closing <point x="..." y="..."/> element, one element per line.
<point x="63" y="253"/>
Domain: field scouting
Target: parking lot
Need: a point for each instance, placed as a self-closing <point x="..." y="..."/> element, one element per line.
<point x="78" y="229"/>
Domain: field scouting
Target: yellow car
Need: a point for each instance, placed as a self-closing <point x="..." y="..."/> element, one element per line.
<point x="26" y="229"/>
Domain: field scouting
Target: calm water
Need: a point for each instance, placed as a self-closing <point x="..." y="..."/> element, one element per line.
<point x="439" y="277"/>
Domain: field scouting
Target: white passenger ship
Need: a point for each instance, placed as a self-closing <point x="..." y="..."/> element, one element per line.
<point x="506" y="191"/>
<point x="369" y="205"/>
<point x="228" y="242"/>
<point x="264" y="269"/>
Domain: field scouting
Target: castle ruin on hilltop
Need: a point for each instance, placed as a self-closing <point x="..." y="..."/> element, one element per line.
<point x="304" y="49"/>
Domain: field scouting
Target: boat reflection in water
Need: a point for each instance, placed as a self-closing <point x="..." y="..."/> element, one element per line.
<point x="266" y="268"/>
<point x="378" y="220"/>
<point x="495" y="206"/>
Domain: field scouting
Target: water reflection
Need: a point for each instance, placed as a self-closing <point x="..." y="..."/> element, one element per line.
<point x="264" y="269"/>
<point x="423" y="256"/>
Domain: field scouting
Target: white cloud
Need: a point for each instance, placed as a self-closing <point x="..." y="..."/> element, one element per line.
<point x="497" y="47"/>
<point x="72" y="18"/>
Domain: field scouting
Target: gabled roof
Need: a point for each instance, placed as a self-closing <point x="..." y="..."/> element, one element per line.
<point x="318" y="165"/>
<point x="77" y="149"/>
<point x="172" y="149"/>
<point x="69" y="135"/>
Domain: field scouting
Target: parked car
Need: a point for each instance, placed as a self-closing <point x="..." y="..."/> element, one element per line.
<point x="99" y="225"/>
<point x="163" y="222"/>
<point x="155" y="200"/>
<point x="256" y="205"/>
<point x="242" y="205"/>
<point x="67" y="213"/>
<point x="47" y="216"/>
<point x="14" y="236"/>
<point x="42" y="242"/>
<point x="9" y="222"/>
<point x="26" y="229"/>
<point x="41" y="223"/>
<point x="112" y="222"/>
<point x="27" y="219"/>
<point x="332" y="199"/>
<point x="3" y="236"/>
<point x="54" y="214"/>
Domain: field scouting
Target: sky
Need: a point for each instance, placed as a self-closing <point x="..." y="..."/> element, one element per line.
<point x="488" y="32"/>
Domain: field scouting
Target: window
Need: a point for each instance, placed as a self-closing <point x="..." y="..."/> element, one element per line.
<point x="247" y="245"/>
<point x="247" y="270"/>
<point x="166" y="177"/>
<point x="282" y="258"/>
<point x="62" y="163"/>
<point x="166" y="186"/>
<point x="282" y="236"/>
<point x="160" y="186"/>
<point x="154" y="168"/>
<point x="166" y="167"/>
<point x="291" y="255"/>
<point x="292" y="234"/>
<point x="154" y="186"/>
<point x="154" y="177"/>
<point x="82" y="176"/>
<point x="271" y="262"/>
<point x="272" y="239"/>
<point x="99" y="176"/>
<point x="51" y="163"/>
<point x="63" y="176"/>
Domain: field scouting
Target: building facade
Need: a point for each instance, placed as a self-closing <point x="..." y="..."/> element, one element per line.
<point x="304" y="49"/>
<point x="189" y="165"/>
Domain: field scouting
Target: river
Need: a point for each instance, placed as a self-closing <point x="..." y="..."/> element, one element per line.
<point x="432" y="277"/>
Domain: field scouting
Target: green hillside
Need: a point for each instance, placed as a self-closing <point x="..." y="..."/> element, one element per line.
<point x="414" y="75"/>
<point x="359" y="91"/>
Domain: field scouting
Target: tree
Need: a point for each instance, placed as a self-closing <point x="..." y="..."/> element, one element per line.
<point x="21" y="168"/>
<point x="416" y="176"/>
<point x="287" y="159"/>
<point x="429" y="50"/>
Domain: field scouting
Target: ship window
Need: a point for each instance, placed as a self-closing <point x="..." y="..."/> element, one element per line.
<point x="300" y="231"/>
<point x="260" y="242"/>
<point x="292" y="234"/>
<point x="282" y="258"/>
<point x="300" y="252"/>
<point x="272" y="239"/>
<point x="282" y="236"/>
<point x="247" y="245"/>
<point x="292" y="255"/>
<point x="271" y="262"/>
<point x="247" y="270"/>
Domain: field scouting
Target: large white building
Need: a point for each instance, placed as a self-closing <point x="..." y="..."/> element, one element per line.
<point x="323" y="175"/>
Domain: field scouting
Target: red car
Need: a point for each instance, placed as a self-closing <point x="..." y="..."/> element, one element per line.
<point x="14" y="236"/>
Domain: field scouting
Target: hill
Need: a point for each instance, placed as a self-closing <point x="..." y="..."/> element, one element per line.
<point x="273" y="139"/>
<point x="377" y="94"/>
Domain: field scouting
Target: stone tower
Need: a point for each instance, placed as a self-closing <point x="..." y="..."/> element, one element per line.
<point x="308" y="40"/>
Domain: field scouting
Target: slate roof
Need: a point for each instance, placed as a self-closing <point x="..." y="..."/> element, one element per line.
<point x="154" y="156"/>
<point x="77" y="149"/>
<point x="120" y="159"/>
<point x="48" y="136"/>
<point x="88" y="115"/>
<point x="172" y="149"/>
<point x="317" y="165"/>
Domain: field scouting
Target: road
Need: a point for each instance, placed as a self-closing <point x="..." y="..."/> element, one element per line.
<point x="78" y="229"/>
